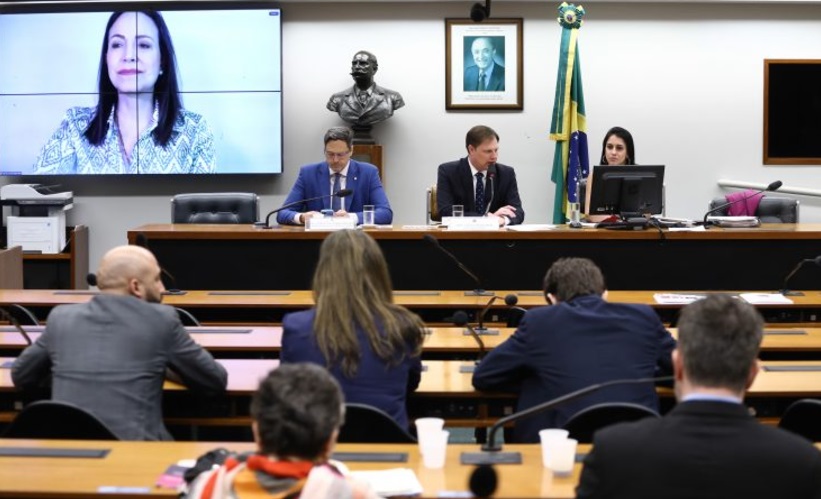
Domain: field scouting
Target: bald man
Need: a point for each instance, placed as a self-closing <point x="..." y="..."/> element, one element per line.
<point x="110" y="355"/>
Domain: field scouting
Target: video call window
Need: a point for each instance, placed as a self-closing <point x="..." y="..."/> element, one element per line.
<point x="141" y="92"/>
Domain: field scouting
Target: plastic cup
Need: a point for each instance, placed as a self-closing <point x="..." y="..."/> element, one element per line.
<point x="368" y="218"/>
<point x="434" y="449"/>
<point x="563" y="456"/>
<point x="548" y="438"/>
<point x="427" y="428"/>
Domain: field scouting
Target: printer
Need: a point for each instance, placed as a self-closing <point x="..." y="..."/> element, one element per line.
<point x="38" y="217"/>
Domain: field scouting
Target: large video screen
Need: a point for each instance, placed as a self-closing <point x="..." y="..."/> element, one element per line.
<point x="102" y="90"/>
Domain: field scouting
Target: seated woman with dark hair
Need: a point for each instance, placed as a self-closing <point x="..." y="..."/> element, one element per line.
<point x="617" y="149"/>
<point x="297" y="411"/>
<point x="371" y="345"/>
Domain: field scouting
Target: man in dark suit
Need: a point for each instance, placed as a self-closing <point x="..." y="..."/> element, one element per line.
<point x="708" y="446"/>
<point x="111" y="355"/>
<point x="477" y="182"/>
<point x="337" y="172"/>
<point x="579" y="340"/>
<point x="486" y="75"/>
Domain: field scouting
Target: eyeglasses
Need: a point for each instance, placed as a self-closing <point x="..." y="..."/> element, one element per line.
<point x="336" y="155"/>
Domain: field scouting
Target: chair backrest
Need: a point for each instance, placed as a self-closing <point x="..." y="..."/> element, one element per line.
<point x="771" y="209"/>
<point x="215" y="208"/>
<point x="584" y="423"/>
<point x="803" y="417"/>
<point x="431" y="208"/>
<point x="49" y="419"/>
<point x="11" y="268"/>
<point x="369" y="425"/>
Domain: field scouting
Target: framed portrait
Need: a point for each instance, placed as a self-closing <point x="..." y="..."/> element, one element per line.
<point x="483" y="64"/>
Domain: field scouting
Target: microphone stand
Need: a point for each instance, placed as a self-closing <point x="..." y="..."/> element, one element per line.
<point x="461" y="319"/>
<point x="480" y="327"/>
<point x="786" y="291"/>
<point x="492" y="452"/>
<point x="478" y="290"/>
<point x="16" y="324"/>
<point x="267" y="224"/>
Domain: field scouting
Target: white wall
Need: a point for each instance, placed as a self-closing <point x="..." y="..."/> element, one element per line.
<point x="686" y="79"/>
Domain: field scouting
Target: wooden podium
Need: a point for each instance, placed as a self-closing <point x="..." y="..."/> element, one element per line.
<point x="370" y="153"/>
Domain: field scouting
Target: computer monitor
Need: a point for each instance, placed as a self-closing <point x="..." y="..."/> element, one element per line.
<point x="627" y="190"/>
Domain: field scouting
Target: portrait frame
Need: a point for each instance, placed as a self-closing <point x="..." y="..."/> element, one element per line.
<point x="503" y="87"/>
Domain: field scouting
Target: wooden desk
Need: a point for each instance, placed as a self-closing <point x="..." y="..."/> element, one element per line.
<point x="244" y="257"/>
<point x="435" y="307"/>
<point x="139" y="464"/>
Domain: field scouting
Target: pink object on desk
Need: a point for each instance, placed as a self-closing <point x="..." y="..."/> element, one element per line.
<point x="745" y="203"/>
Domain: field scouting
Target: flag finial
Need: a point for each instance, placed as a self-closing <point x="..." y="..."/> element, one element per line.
<point x="570" y="16"/>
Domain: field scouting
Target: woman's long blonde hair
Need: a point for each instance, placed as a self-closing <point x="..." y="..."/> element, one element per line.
<point x="352" y="288"/>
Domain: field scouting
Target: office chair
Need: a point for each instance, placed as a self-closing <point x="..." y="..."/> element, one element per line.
<point x="803" y="417"/>
<point x="431" y="209"/>
<point x="215" y="208"/>
<point x="369" y="425"/>
<point x="584" y="423"/>
<point x="49" y="419"/>
<point x="771" y="209"/>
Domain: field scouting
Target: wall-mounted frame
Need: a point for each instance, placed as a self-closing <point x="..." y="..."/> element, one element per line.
<point x="492" y="48"/>
<point x="792" y="112"/>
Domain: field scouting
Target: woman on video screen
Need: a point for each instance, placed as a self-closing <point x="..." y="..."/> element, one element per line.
<point x="138" y="125"/>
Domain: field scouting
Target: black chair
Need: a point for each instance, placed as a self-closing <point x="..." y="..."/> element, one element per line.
<point x="803" y="417"/>
<point x="584" y="423"/>
<point x="368" y="425"/>
<point x="215" y="208"/>
<point x="771" y="209"/>
<point x="49" y="419"/>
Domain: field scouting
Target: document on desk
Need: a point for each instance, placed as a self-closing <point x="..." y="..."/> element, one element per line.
<point x="530" y="227"/>
<point x="675" y="298"/>
<point x="765" y="299"/>
<point x="391" y="482"/>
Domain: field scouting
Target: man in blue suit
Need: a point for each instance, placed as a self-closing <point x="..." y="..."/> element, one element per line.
<point x="486" y="75"/>
<point x="337" y="172"/>
<point x="578" y="341"/>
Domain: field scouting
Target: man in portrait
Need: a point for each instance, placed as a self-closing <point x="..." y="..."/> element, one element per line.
<point x="485" y="74"/>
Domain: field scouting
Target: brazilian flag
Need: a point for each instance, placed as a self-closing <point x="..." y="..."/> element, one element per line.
<point x="568" y="126"/>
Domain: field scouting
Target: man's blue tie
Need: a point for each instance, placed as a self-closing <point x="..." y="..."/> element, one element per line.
<point x="336" y="203"/>
<point x="480" y="194"/>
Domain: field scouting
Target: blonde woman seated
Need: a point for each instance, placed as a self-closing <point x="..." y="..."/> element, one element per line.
<point x="370" y="345"/>
<point x="617" y="149"/>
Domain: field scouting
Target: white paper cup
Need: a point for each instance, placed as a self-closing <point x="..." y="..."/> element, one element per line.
<point x="434" y="449"/>
<point x="426" y="428"/>
<point x="548" y="437"/>
<point x="458" y="210"/>
<point x="368" y="217"/>
<point x="563" y="456"/>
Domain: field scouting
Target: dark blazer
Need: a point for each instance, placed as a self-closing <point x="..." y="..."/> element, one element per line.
<point x="375" y="383"/>
<point x="109" y="356"/>
<point x="561" y="348"/>
<point x="454" y="185"/>
<point x="496" y="83"/>
<point x="703" y="449"/>
<point x="315" y="180"/>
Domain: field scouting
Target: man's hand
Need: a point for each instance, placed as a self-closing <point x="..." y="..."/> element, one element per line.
<point x="504" y="214"/>
<point x="308" y="214"/>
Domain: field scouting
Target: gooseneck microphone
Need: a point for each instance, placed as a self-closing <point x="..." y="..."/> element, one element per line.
<point x="267" y="224"/>
<point x="784" y="289"/>
<point x="491" y="451"/>
<point x="478" y="290"/>
<point x="774" y="186"/>
<point x="16" y="324"/>
<point x="460" y="318"/>
<point x="480" y="327"/>
<point x="491" y="176"/>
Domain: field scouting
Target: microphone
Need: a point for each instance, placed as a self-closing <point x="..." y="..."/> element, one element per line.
<point x="491" y="452"/>
<point x="91" y="279"/>
<point x="483" y="481"/>
<point x="460" y="318"/>
<point x="478" y="291"/>
<point x="515" y="313"/>
<point x="339" y="194"/>
<point x="142" y="240"/>
<point x="772" y="187"/>
<point x="480" y="327"/>
<point x="16" y="324"/>
<point x="491" y="176"/>
<point x="784" y="290"/>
